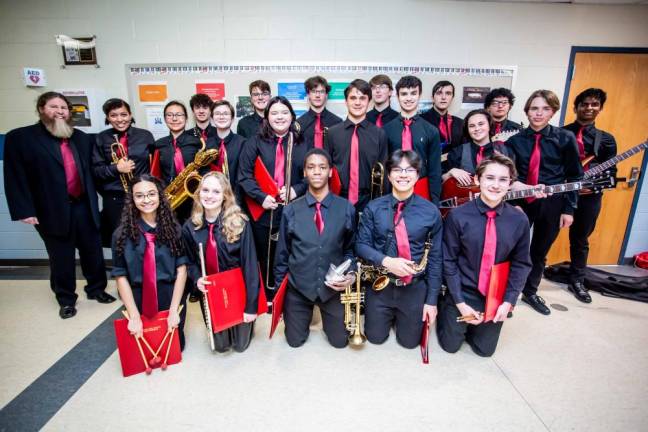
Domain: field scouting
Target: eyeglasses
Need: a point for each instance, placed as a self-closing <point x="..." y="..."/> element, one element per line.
<point x="318" y="92"/>
<point x="174" y="115"/>
<point x="141" y="197"/>
<point x="380" y="87"/>
<point x="222" y="114"/>
<point x="499" y="103"/>
<point x="399" y="170"/>
<point x="258" y="95"/>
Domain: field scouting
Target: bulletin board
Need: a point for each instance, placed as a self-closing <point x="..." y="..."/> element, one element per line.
<point x="151" y="86"/>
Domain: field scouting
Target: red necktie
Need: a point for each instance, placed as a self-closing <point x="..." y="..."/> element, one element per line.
<point x="203" y="134"/>
<point x="443" y="130"/>
<point x="211" y="254"/>
<point x="581" y="144"/>
<point x="221" y="156"/>
<point x="178" y="162"/>
<point x="124" y="142"/>
<point x="534" y="165"/>
<point x="319" y="132"/>
<point x="498" y="127"/>
<point x="379" y="122"/>
<point x="279" y="163"/>
<point x="488" y="255"/>
<point x="480" y="155"/>
<point x="406" y="136"/>
<point x="72" y="179"/>
<point x="319" y="220"/>
<point x="149" y="278"/>
<point x="354" y="168"/>
<point x="402" y="239"/>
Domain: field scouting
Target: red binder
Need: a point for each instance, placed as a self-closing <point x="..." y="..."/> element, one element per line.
<point x="425" y="337"/>
<point x="155" y="331"/>
<point x="277" y="305"/>
<point x="266" y="184"/>
<point x="154" y="161"/>
<point x="422" y="188"/>
<point x="335" y="183"/>
<point x="496" y="289"/>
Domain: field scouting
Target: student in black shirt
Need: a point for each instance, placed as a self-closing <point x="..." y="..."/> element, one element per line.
<point x="138" y="146"/>
<point x="201" y="107"/>
<point x="317" y="230"/>
<point x="381" y="93"/>
<point x="450" y="127"/>
<point x="410" y="132"/>
<point x="356" y="145"/>
<point x="498" y="103"/>
<point x="544" y="155"/>
<point x="146" y="287"/>
<point x="393" y="233"/>
<point x="463" y="160"/>
<point x="317" y="118"/>
<point x="464" y="251"/>
<point x="270" y="146"/>
<point x="216" y="216"/>
<point x="602" y="145"/>
<point x="249" y="126"/>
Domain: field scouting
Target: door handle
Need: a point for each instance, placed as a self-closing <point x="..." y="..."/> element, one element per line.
<point x="634" y="177"/>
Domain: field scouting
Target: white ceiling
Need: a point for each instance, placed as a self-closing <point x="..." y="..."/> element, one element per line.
<point x="595" y="2"/>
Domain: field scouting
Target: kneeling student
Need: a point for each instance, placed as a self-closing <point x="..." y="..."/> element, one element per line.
<point x="478" y="235"/>
<point x="316" y="230"/>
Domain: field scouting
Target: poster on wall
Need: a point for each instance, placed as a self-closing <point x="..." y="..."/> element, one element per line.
<point x="155" y="121"/>
<point x="152" y="92"/>
<point x="474" y="97"/>
<point x="294" y="91"/>
<point x="337" y="90"/>
<point x="424" y="105"/>
<point x="243" y="106"/>
<point x="34" y="77"/>
<point x="86" y="108"/>
<point x="214" y="89"/>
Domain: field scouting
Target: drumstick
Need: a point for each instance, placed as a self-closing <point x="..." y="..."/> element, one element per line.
<point x="148" y="368"/>
<point x="167" y="334"/>
<point x="153" y="361"/>
<point x="166" y="357"/>
<point x="156" y="359"/>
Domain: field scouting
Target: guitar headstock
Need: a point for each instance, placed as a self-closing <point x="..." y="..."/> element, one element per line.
<point x="504" y="136"/>
<point x="599" y="182"/>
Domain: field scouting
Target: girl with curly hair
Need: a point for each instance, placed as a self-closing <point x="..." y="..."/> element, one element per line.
<point x="220" y="225"/>
<point x="149" y="263"/>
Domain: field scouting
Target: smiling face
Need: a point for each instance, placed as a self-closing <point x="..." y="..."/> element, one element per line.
<point x="403" y="178"/>
<point x="279" y="118"/>
<point x="201" y="113"/>
<point x="120" y="119"/>
<point x="539" y="113"/>
<point x="408" y="98"/>
<point x="494" y="183"/>
<point x="55" y="109"/>
<point x="357" y="104"/>
<point x="259" y="98"/>
<point x="478" y="128"/>
<point x="146" y="197"/>
<point x="442" y="98"/>
<point x="222" y="117"/>
<point x="211" y="194"/>
<point x="588" y="110"/>
<point x="175" y="118"/>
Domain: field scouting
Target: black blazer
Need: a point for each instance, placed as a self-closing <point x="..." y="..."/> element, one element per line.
<point x="34" y="177"/>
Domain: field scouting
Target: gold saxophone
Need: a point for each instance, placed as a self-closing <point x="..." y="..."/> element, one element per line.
<point x="117" y="149"/>
<point x="352" y="301"/>
<point x="379" y="276"/>
<point x="186" y="183"/>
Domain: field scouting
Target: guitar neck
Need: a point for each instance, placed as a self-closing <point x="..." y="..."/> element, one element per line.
<point x="615" y="160"/>
<point x="559" y="188"/>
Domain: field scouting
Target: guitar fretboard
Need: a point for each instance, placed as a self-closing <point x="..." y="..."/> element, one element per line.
<point x="615" y="160"/>
<point x="527" y="193"/>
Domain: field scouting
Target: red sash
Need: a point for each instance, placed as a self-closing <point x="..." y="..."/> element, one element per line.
<point x="266" y="184"/>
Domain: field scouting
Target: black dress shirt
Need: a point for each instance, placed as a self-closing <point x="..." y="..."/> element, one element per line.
<point x="233" y="147"/>
<point x="607" y="147"/>
<point x="388" y="114"/>
<point x="248" y="126"/>
<point x="210" y="131"/>
<point x="307" y="123"/>
<point x="465" y="156"/>
<point x="456" y="132"/>
<point x="376" y="238"/>
<point x="304" y="253"/>
<point x="372" y="148"/>
<point x="131" y="262"/>
<point x="141" y="145"/>
<point x="240" y="253"/>
<point x="425" y="142"/>
<point x="189" y="145"/>
<point x="463" y="245"/>
<point x="259" y="147"/>
<point x="559" y="160"/>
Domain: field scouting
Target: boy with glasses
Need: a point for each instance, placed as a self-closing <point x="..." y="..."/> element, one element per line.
<point x="498" y="103"/>
<point x="260" y="94"/>
<point x="381" y="93"/>
<point x="317" y="118"/>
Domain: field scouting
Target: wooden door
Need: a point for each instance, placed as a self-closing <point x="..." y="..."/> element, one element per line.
<point x="625" y="79"/>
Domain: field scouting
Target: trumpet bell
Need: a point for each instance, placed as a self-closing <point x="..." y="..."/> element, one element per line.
<point x="357" y="339"/>
<point x="380" y="283"/>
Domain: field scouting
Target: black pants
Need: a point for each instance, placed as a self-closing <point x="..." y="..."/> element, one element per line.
<point x="589" y="207"/>
<point x="113" y="203"/>
<point x="261" y="233"/>
<point x="451" y="334"/>
<point x="544" y="216"/>
<point x="298" y="313"/>
<point x="398" y="306"/>
<point x="237" y="337"/>
<point x="85" y="237"/>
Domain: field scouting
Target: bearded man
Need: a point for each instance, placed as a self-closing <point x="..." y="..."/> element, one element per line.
<point x="48" y="185"/>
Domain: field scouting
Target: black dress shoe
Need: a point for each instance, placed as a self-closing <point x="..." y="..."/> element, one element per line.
<point x="66" y="312"/>
<point x="194" y="297"/>
<point x="580" y="292"/>
<point x="102" y="297"/>
<point x="537" y="303"/>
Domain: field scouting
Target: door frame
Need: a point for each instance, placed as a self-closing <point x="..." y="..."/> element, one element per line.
<point x="644" y="164"/>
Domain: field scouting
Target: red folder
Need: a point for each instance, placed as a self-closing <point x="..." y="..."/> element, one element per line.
<point x="422" y="188"/>
<point x="155" y="330"/>
<point x="277" y="305"/>
<point x="263" y="300"/>
<point x="156" y="171"/>
<point x="335" y="183"/>
<point x="266" y="184"/>
<point x="425" y="337"/>
<point x="496" y="289"/>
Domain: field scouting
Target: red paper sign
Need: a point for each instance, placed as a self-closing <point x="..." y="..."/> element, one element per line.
<point x="216" y="90"/>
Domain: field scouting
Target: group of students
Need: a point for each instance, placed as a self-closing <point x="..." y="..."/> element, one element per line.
<point x="51" y="170"/>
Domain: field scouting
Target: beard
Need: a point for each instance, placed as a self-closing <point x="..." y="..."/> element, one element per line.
<point x="60" y="128"/>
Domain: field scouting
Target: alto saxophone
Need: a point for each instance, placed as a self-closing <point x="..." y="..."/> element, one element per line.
<point x="379" y="276"/>
<point x="186" y="183"/>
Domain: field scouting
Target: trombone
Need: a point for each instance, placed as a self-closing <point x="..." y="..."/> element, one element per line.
<point x="117" y="153"/>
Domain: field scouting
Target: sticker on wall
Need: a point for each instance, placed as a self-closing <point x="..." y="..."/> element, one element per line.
<point x="214" y="89"/>
<point x="152" y="92"/>
<point x="34" y="77"/>
<point x="474" y="97"/>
